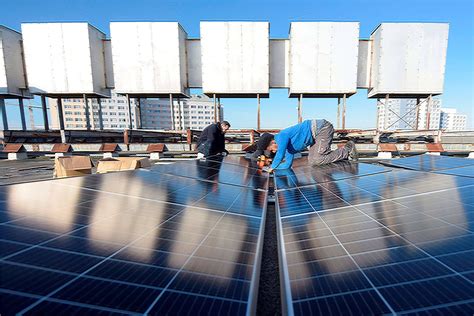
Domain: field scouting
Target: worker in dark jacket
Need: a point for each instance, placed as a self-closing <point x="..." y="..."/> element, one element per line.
<point x="317" y="134"/>
<point x="212" y="140"/>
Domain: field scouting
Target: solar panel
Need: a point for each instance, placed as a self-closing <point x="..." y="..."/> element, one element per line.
<point x="462" y="171"/>
<point x="396" y="242"/>
<point x="428" y="162"/>
<point x="304" y="175"/>
<point x="235" y="171"/>
<point x="132" y="243"/>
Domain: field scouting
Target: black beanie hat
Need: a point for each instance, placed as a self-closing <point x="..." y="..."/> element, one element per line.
<point x="264" y="140"/>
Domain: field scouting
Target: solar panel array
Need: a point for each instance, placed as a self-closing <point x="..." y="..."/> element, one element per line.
<point x="186" y="238"/>
<point x="134" y="242"/>
<point x="399" y="242"/>
<point x="429" y="162"/>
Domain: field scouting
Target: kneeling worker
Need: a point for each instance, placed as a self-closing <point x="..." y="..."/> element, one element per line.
<point x="265" y="151"/>
<point x="212" y="140"/>
<point x="317" y="134"/>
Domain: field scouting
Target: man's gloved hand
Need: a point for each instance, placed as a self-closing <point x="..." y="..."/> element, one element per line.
<point x="224" y="153"/>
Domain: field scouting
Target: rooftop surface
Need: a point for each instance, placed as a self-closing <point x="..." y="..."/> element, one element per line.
<point x="193" y="237"/>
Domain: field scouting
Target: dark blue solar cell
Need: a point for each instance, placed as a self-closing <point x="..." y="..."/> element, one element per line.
<point x="173" y="303"/>
<point x="20" y="234"/>
<point x="133" y="273"/>
<point x="406" y="271"/>
<point x="358" y="303"/>
<point x="8" y="248"/>
<point x="31" y="280"/>
<point x="448" y="245"/>
<point x="291" y="202"/>
<point x="328" y="285"/>
<point x="429" y="162"/>
<point x="103" y="293"/>
<point x="84" y="245"/>
<point x="56" y="260"/>
<point x="51" y="307"/>
<point x="428" y="293"/>
<point x="211" y="286"/>
<point x="11" y="304"/>
<point x="466" y="309"/>
<point x="460" y="262"/>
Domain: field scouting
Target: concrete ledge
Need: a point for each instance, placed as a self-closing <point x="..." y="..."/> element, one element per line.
<point x="384" y="155"/>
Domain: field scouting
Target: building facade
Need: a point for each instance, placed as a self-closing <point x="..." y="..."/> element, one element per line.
<point x="114" y="113"/>
<point x="402" y="114"/>
<point x="195" y="113"/>
<point x="453" y="121"/>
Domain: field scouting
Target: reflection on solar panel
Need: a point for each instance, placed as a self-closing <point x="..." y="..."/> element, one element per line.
<point x="307" y="175"/>
<point x="462" y="171"/>
<point x="134" y="242"/>
<point x="429" y="162"/>
<point x="396" y="242"/>
<point x="235" y="171"/>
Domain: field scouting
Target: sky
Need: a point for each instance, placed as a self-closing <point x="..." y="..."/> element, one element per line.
<point x="278" y="111"/>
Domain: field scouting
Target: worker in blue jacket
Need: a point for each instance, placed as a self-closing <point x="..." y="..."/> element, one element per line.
<point x="318" y="135"/>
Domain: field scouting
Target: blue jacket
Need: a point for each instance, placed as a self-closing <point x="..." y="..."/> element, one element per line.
<point x="290" y="141"/>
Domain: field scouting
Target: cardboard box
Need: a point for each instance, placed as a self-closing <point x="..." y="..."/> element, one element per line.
<point x="72" y="166"/>
<point x="122" y="163"/>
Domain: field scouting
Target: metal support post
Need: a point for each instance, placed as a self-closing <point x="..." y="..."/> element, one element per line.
<point x="258" y="112"/>
<point x="61" y="120"/>
<point x="45" y="113"/>
<point x="428" y="112"/>
<point x="417" y="113"/>
<point x="60" y="114"/>
<point x="215" y="109"/>
<point x="86" y="108"/>
<point x="300" y="105"/>
<point x="22" y="114"/>
<point x="4" y="114"/>
<point x="344" y="111"/>
<point x="173" y="125"/>
<point x="218" y="109"/>
<point x="99" y="110"/>
<point x="139" y="114"/>
<point x="338" y="113"/>
<point x="130" y="120"/>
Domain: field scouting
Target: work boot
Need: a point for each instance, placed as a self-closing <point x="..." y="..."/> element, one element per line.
<point x="353" y="153"/>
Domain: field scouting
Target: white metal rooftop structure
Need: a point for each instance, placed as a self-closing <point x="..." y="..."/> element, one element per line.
<point x="149" y="58"/>
<point x="408" y="59"/>
<point x="235" y="58"/>
<point x="231" y="59"/>
<point x="65" y="59"/>
<point x="323" y="58"/>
